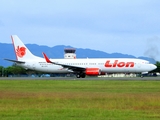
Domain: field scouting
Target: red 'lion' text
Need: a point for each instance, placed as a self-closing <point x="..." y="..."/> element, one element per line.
<point x="119" y="64"/>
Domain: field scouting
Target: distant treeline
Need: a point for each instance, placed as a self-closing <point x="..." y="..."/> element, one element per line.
<point x="17" y="71"/>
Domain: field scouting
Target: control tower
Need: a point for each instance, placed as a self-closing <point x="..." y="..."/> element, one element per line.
<point x="69" y="53"/>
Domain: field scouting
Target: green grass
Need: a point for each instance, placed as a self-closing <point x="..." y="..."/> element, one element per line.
<point x="79" y="100"/>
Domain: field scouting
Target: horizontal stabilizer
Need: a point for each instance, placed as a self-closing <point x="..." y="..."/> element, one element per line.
<point x="16" y="61"/>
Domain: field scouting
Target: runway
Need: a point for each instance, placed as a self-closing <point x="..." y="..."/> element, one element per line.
<point x="74" y="78"/>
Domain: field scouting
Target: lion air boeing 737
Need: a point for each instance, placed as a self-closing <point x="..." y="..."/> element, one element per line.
<point x="80" y="67"/>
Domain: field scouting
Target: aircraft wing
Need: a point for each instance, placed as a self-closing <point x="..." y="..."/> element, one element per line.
<point x="73" y="68"/>
<point x="16" y="61"/>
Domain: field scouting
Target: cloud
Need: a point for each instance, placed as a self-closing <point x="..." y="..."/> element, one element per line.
<point x="152" y="48"/>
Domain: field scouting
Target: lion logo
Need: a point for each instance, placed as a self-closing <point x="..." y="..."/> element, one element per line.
<point x="20" y="51"/>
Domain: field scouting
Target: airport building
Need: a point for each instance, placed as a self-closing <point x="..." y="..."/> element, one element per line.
<point x="69" y="53"/>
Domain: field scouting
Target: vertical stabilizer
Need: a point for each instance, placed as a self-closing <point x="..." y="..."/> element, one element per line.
<point x="21" y="51"/>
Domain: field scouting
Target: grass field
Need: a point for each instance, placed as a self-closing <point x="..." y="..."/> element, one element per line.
<point x="79" y="100"/>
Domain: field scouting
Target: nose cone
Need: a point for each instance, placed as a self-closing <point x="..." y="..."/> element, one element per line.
<point x="153" y="67"/>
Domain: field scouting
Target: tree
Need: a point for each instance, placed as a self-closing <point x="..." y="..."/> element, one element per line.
<point x="158" y="67"/>
<point x="15" y="70"/>
<point x="1" y="71"/>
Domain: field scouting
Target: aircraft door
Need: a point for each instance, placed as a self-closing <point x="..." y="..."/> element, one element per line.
<point x="138" y="65"/>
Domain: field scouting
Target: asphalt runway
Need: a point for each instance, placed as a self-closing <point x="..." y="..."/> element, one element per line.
<point x="74" y="78"/>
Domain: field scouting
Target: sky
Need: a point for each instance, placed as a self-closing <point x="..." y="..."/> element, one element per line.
<point x="122" y="26"/>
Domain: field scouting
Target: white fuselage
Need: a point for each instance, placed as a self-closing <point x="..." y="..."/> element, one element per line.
<point x="106" y="65"/>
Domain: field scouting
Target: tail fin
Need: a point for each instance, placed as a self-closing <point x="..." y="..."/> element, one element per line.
<point x="21" y="51"/>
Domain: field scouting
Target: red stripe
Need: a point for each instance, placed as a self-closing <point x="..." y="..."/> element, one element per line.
<point x="14" y="47"/>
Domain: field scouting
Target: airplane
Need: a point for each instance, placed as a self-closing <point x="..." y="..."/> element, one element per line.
<point x="79" y="67"/>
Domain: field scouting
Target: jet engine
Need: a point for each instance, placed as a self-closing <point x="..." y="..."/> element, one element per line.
<point x="93" y="71"/>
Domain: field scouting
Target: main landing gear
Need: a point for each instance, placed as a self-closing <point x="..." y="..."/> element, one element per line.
<point x="80" y="75"/>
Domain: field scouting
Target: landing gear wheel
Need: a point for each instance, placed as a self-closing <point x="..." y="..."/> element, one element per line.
<point x="78" y="76"/>
<point x="81" y="75"/>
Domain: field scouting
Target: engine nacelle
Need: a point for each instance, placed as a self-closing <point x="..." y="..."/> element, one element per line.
<point x="93" y="71"/>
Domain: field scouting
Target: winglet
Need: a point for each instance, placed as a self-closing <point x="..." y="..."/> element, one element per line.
<point x="46" y="58"/>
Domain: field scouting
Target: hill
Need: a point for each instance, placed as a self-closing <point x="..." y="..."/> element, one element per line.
<point x="6" y="51"/>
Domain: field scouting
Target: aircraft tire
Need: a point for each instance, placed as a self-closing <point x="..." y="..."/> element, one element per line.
<point x="78" y="76"/>
<point x="83" y="75"/>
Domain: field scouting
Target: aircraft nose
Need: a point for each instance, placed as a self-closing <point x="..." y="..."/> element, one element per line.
<point x="153" y="66"/>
